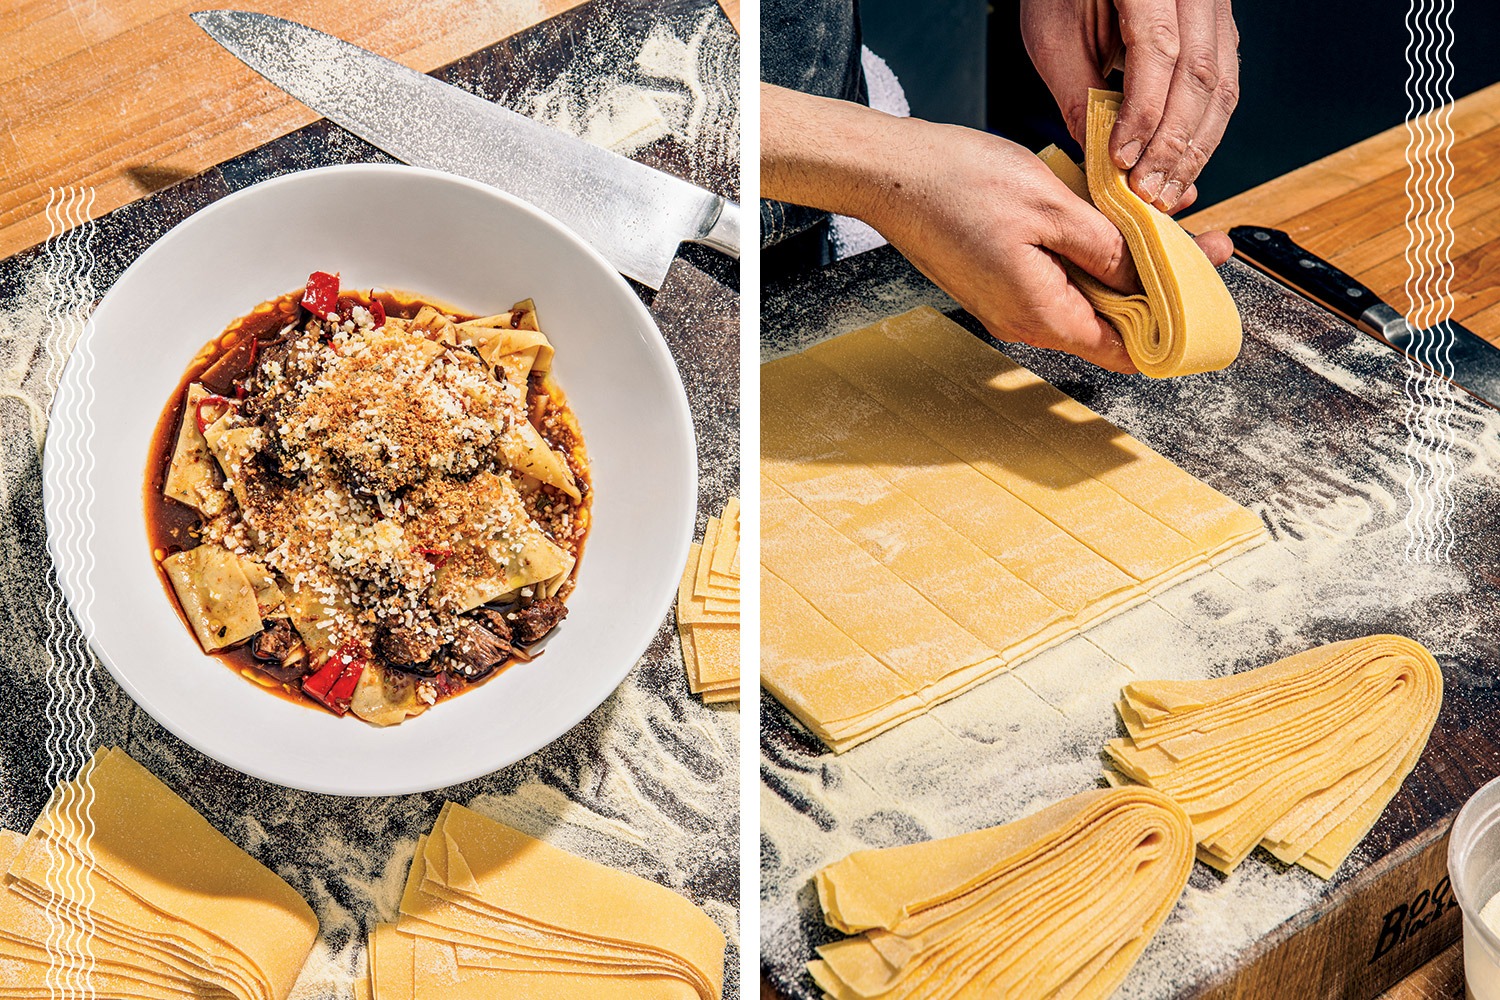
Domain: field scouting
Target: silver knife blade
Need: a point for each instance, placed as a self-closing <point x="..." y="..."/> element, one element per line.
<point x="1447" y="348"/>
<point x="633" y="215"/>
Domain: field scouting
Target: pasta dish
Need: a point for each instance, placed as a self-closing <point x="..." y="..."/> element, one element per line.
<point x="367" y="500"/>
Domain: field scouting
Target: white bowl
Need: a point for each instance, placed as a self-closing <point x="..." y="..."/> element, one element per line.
<point x="440" y="236"/>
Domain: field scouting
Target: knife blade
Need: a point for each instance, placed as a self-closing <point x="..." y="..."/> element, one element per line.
<point x="1448" y="348"/>
<point x="636" y="217"/>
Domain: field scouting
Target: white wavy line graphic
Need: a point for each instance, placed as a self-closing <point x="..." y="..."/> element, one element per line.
<point x="68" y="264"/>
<point x="1428" y="258"/>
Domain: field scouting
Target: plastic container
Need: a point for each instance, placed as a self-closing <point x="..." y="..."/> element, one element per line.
<point x="1474" y="873"/>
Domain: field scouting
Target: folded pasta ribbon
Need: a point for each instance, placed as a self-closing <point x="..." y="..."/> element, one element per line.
<point x="123" y="878"/>
<point x="1186" y="322"/>
<point x="1300" y="756"/>
<point x="1059" y="904"/>
<point x="708" y="609"/>
<point x="492" y="914"/>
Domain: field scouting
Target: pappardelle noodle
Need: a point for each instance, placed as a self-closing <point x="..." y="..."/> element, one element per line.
<point x="369" y="500"/>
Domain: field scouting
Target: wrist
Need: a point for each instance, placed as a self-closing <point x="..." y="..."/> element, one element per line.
<point x="832" y="155"/>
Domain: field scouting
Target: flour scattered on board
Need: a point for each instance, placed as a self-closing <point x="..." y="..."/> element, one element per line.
<point x="672" y="87"/>
<point x="646" y="784"/>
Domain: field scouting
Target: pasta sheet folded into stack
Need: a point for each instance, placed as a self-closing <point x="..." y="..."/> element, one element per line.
<point x="489" y="912"/>
<point x="1300" y="756"/>
<point x="1185" y="321"/>
<point x="708" y="609"/>
<point x="1059" y="904"/>
<point x="123" y="882"/>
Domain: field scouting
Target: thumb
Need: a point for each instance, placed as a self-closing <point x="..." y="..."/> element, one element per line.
<point x="1217" y="246"/>
<point x="1081" y="234"/>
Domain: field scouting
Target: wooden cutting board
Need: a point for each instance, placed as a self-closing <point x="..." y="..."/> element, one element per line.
<point x="129" y="96"/>
<point x="1350" y="208"/>
<point x="1306" y="429"/>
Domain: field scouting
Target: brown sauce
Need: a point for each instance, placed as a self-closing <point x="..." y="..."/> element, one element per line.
<point x="172" y="526"/>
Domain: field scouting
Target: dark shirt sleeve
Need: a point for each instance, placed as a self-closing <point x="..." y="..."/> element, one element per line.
<point x="812" y="46"/>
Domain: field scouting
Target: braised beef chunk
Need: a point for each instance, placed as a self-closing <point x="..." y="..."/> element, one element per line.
<point x="405" y="647"/>
<point x="494" y="621"/>
<point x="535" y="620"/>
<point x="278" y="463"/>
<point x="276" y="641"/>
<point x="476" y="650"/>
<point x="280" y="651"/>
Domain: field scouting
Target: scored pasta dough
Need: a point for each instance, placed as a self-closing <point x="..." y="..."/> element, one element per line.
<point x="1059" y="904"/>
<point x="1186" y="322"/>
<point x="933" y="514"/>
<point x="1300" y="756"/>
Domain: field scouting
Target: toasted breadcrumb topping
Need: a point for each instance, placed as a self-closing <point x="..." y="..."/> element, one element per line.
<point x="364" y="460"/>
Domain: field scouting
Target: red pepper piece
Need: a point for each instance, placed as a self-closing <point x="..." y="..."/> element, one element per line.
<point x="442" y="556"/>
<point x="332" y="685"/>
<point x="322" y="294"/>
<point x="377" y="309"/>
<point x="343" y="689"/>
<point x="198" y="410"/>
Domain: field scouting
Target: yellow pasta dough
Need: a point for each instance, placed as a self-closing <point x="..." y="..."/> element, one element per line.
<point x="1059" y="904"/>
<point x="933" y="514"/>
<point x="1186" y="322"/>
<point x="489" y="912"/>
<point x="170" y="907"/>
<point x="1300" y="756"/>
<point x="708" y="610"/>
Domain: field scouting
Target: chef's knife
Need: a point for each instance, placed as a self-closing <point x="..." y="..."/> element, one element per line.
<point x="635" y="216"/>
<point x="1457" y="354"/>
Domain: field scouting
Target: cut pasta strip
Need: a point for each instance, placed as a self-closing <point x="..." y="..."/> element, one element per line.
<point x="1059" y="904"/>
<point x="1300" y="756"/>
<point x="708" y="610"/>
<point x="168" y="906"/>
<point x="1186" y="322"/>
<point x="933" y="514"/>
<point x="489" y="912"/>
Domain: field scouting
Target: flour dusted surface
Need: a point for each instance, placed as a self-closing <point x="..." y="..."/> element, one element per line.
<point x="1304" y="430"/>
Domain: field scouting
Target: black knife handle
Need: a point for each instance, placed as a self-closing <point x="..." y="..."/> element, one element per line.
<point x="1275" y="252"/>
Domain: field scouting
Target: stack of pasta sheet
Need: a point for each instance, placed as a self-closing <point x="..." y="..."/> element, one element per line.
<point x="708" y="609"/>
<point x="1186" y="321"/>
<point x="490" y="913"/>
<point x="1300" y="756"/>
<point x="120" y="879"/>
<point x="932" y="514"/>
<point x="1059" y="904"/>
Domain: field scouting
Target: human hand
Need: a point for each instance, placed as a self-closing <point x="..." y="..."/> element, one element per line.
<point x="990" y="224"/>
<point x="1181" y="80"/>
<point x="980" y="216"/>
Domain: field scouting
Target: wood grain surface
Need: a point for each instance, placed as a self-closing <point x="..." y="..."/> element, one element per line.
<point x="1350" y="208"/>
<point x="129" y="96"/>
<point x="1440" y="979"/>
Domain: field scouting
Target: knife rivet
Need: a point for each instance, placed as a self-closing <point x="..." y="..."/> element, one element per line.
<point x="1309" y="264"/>
<point x="1262" y="236"/>
<point x="1354" y="293"/>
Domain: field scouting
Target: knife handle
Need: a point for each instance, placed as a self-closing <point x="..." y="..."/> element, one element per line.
<point x="1276" y="253"/>
<point x="724" y="234"/>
